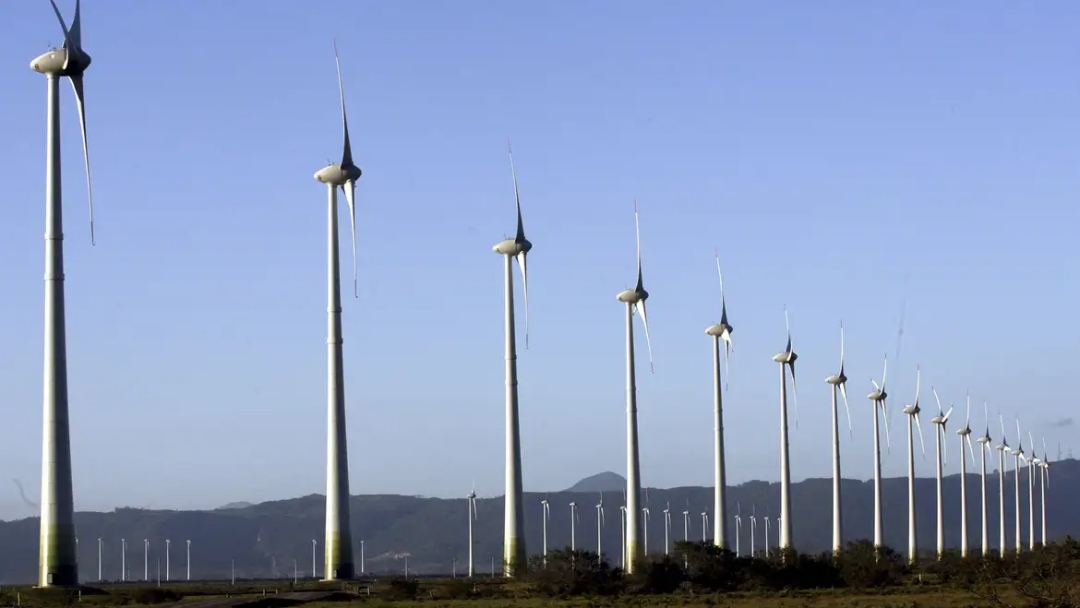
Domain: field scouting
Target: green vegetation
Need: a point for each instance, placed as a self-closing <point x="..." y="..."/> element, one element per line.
<point x="696" y="574"/>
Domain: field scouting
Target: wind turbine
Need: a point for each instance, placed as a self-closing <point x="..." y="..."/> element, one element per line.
<point x="58" y="556"/>
<point x="338" y="543"/>
<point x="646" y="515"/>
<point x="667" y="529"/>
<point x="1045" y="483"/>
<point x="939" y="432"/>
<point x="546" y="516"/>
<point x="786" y="360"/>
<point x="767" y="526"/>
<point x="912" y="411"/>
<point x="738" y="528"/>
<point x="686" y="523"/>
<point x="622" y="530"/>
<point x="1018" y="453"/>
<point x="1033" y="463"/>
<point x="719" y="331"/>
<point x="472" y="517"/>
<point x="600" y="528"/>
<point x="753" y="529"/>
<point x="839" y="385"/>
<point x="514" y="555"/>
<point x="878" y="397"/>
<point x="635" y="302"/>
<point x="705" y="526"/>
<point x="984" y="447"/>
<point x="573" y="526"/>
<point x="965" y="435"/>
<point x="1003" y="451"/>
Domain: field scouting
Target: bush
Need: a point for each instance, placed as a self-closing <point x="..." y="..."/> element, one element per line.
<point x="402" y="589"/>
<point x="566" y="572"/>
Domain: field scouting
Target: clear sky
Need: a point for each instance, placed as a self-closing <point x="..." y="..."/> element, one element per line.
<point x="842" y="156"/>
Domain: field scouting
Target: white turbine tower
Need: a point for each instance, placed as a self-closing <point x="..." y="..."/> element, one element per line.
<point x="720" y="332"/>
<point x="514" y="555"/>
<point x="338" y="543"/>
<point x="878" y="397"/>
<point x="786" y="360"/>
<point x="574" y="519"/>
<point x="768" y="523"/>
<point x="545" y="517"/>
<point x="1003" y="452"/>
<point x="667" y="529"/>
<point x="942" y="450"/>
<point x="686" y="524"/>
<point x="984" y="447"/>
<point x="965" y="435"/>
<point x="622" y="530"/>
<point x="635" y="302"/>
<point x="839" y="385"/>
<point x="738" y="528"/>
<point x="1033" y="464"/>
<point x="646" y="515"/>
<point x="705" y="526"/>
<point x="912" y="411"/>
<point x="58" y="556"/>
<point x="1018" y="454"/>
<point x="470" y="503"/>
<point x="1045" y="484"/>
<point x="753" y="529"/>
<point x="599" y="529"/>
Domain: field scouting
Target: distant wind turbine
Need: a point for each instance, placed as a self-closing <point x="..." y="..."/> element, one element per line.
<point x="667" y="529"/>
<point x="545" y="517"/>
<point x="338" y="546"/>
<point x="738" y="528"/>
<point x="942" y="450"/>
<point x="705" y="526"/>
<point x="753" y="530"/>
<point x="1045" y="484"/>
<point x="635" y="302"/>
<point x="767" y="526"/>
<point x="1018" y="454"/>
<point x="622" y="530"/>
<point x="719" y="331"/>
<point x="839" y="385"/>
<point x="965" y="436"/>
<point x="600" y="528"/>
<point x="58" y="556"/>
<point x="1032" y="464"/>
<point x="470" y="501"/>
<point x="984" y="447"/>
<point x="646" y="515"/>
<point x="686" y="524"/>
<point x="514" y="555"/>
<point x="878" y="397"/>
<point x="786" y="360"/>
<point x="1003" y="451"/>
<point x="573" y="526"/>
<point x="912" y="411"/>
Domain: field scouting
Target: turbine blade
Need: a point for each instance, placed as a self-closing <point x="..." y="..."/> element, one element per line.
<point x="637" y="233"/>
<point x="945" y="418"/>
<point x="885" y="418"/>
<point x="787" y="326"/>
<point x="841" y="347"/>
<point x="843" y="393"/>
<point x="936" y="398"/>
<point x="76" y="27"/>
<point x="80" y="101"/>
<point x="525" y="288"/>
<point x="967" y="423"/>
<point x="884" y="371"/>
<point x="1001" y="419"/>
<point x="346" y="154"/>
<point x="648" y="341"/>
<point x="69" y="42"/>
<point x="520" y="235"/>
<point x="350" y="197"/>
<point x="922" y="443"/>
<point x="795" y="392"/>
<point x="971" y="450"/>
<point x="876" y="386"/>
<point x="727" y="361"/>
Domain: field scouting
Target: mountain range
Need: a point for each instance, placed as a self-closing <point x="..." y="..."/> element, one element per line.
<point x="269" y="539"/>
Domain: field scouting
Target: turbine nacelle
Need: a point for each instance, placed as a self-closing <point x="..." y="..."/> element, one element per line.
<point x="985" y="439"/>
<point x="837" y="379"/>
<point x="512" y="247"/>
<point x="964" y="431"/>
<point x="633" y="296"/>
<point x="61" y="62"/>
<point x="787" y="357"/>
<point x="912" y="410"/>
<point x="720" y="330"/>
<point x="337" y="174"/>
<point x="878" y="395"/>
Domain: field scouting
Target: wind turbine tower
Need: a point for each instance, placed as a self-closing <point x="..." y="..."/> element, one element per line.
<point x="878" y="398"/>
<point x="720" y="332"/>
<point x="1033" y="464"/>
<point x="573" y="526"/>
<point x="939" y="433"/>
<point x="839" y="385"/>
<point x="1003" y="451"/>
<point x="912" y="411"/>
<point x="471" y="505"/>
<point x="965" y="436"/>
<point x="786" y="360"/>
<point x="984" y="447"/>
<point x="635" y="302"/>
<point x="338" y="541"/>
<point x="514" y="556"/>
<point x="1018" y="453"/>
<point x="1045" y="483"/>
<point x="58" y="556"/>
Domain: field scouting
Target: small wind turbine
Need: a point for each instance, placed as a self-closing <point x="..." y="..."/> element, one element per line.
<point x="984" y="447"/>
<point x="839" y="385"/>
<point x="472" y="517"/>
<point x="686" y="523"/>
<point x="635" y="302"/>
<point x="719" y="331"/>
<point x="1045" y="484"/>
<point x="767" y="526"/>
<point x="965" y="435"/>
<point x="1003" y="451"/>
<point x="705" y="526"/>
<point x="545" y="518"/>
<point x="786" y="360"/>
<point x="1033" y="464"/>
<point x="600" y="528"/>
<point x="645" y="517"/>
<point x="58" y="558"/>
<point x="878" y="398"/>
<point x="514" y="555"/>
<point x="622" y="530"/>
<point x="574" y="519"/>
<point x="1018" y="453"/>
<point x="338" y="546"/>
<point x="912" y="411"/>
<point x="738" y="528"/>
<point x="667" y="529"/>
<point x="753" y="529"/>
<point x="942" y="450"/>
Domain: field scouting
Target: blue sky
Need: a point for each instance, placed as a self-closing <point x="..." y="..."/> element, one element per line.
<point x="841" y="156"/>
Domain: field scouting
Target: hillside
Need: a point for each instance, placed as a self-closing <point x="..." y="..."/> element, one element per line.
<point x="265" y="539"/>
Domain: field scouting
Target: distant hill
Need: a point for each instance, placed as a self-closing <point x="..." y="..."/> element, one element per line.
<point x="265" y="539"/>
<point x="601" y="482"/>
<point x="243" y="504"/>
